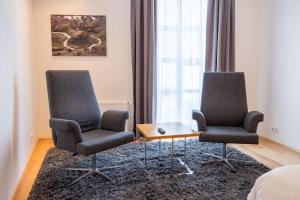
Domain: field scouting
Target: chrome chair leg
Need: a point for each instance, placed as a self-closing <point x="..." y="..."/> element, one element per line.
<point x="224" y="158"/>
<point x="211" y="161"/>
<point x="229" y="164"/>
<point x="212" y="155"/>
<point x="229" y="155"/>
<point x="79" y="169"/>
<point x="91" y="170"/>
<point x="243" y="161"/>
<point x="84" y="175"/>
<point x="101" y="174"/>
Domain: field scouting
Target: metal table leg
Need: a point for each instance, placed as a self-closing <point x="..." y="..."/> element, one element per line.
<point x="172" y="149"/>
<point x="185" y="149"/>
<point x="159" y="151"/>
<point x="145" y="143"/>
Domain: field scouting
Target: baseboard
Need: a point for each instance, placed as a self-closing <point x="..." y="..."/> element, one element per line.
<point x="29" y="158"/>
<point x="31" y="169"/>
<point x="281" y="144"/>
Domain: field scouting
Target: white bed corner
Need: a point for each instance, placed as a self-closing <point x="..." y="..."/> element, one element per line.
<point x="282" y="183"/>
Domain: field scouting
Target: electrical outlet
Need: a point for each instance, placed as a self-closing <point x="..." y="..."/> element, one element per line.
<point x="31" y="138"/>
<point x="275" y="130"/>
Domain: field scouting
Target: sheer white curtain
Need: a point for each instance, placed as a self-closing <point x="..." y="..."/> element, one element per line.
<point x="180" y="65"/>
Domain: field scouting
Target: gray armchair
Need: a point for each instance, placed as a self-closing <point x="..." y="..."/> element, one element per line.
<point x="224" y="116"/>
<point x="76" y="121"/>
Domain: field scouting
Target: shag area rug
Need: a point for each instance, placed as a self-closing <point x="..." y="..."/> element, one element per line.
<point x="132" y="181"/>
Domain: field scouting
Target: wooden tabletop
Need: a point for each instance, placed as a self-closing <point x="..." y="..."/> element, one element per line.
<point x="173" y="130"/>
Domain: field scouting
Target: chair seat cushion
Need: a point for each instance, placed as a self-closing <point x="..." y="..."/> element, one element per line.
<point x="225" y="134"/>
<point x="101" y="140"/>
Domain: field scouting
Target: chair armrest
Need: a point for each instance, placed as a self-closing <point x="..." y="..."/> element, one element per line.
<point x="251" y="121"/>
<point x="114" y="120"/>
<point x="200" y="119"/>
<point x="64" y="124"/>
<point x="67" y="133"/>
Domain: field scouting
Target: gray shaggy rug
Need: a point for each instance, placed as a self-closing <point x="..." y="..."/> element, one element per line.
<point x="132" y="181"/>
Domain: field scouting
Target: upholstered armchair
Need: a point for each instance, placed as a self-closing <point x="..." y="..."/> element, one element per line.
<point x="76" y="121"/>
<point x="224" y="116"/>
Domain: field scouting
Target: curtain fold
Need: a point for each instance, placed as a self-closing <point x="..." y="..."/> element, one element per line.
<point x="220" y="36"/>
<point x="143" y="43"/>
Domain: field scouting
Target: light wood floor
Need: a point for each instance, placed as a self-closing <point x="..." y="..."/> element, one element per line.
<point x="270" y="153"/>
<point x="32" y="169"/>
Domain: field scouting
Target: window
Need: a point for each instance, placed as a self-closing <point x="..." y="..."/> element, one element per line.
<point x="180" y="64"/>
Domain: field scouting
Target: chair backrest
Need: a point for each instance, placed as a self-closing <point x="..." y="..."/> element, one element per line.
<point x="224" y="101"/>
<point x="71" y="96"/>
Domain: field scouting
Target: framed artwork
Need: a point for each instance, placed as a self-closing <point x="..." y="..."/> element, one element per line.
<point x="78" y="35"/>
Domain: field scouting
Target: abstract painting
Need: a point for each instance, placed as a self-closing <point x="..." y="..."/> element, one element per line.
<point x="78" y="35"/>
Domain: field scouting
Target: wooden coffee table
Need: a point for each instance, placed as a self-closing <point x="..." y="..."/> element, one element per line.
<point x="173" y="131"/>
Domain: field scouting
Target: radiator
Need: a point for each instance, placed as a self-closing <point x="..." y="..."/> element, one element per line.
<point x="119" y="105"/>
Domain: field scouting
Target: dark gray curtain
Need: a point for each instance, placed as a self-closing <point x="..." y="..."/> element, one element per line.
<point x="143" y="42"/>
<point x="220" y="36"/>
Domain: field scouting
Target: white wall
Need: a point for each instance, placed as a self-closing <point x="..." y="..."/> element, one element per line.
<point x="279" y="93"/>
<point x="15" y="89"/>
<point x="248" y="50"/>
<point x="268" y="50"/>
<point x="112" y="75"/>
<point x="248" y="19"/>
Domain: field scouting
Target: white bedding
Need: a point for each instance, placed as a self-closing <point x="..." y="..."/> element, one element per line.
<point x="282" y="183"/>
